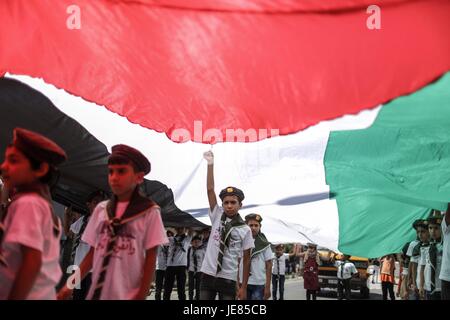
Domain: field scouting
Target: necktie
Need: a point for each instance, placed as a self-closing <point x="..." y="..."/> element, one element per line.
<point x="222" y="243"/>
<point x="342" y="270"/>
<point x="194" y="257"/>
<point x="433" y="262"/>
<point x="278" y="267"/>
<point x="114" y="228"/>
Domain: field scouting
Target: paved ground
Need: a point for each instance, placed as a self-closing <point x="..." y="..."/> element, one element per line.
<point x="294" y="291"/>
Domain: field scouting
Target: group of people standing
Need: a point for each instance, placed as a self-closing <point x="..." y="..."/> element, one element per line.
<point x="122" y="244"/>
<point x="425" y="261"/>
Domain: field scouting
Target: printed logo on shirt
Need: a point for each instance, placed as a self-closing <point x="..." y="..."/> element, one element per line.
<point x="125" y="241"/>
<point x="216" y="235"/>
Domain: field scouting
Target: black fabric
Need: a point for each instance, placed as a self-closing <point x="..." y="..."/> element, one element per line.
<point x="159" y="283"/>
<point x="85" y="171"/>
<point x="387" y="287"/>
<point x="172" y="273"/>
<point x="278" y="284"/>
<point x="344" y="286"/>
<point x="211" y="286"/>
<point x="445" y="290"/>
<point x="194" y="280"/>
<point x="311" y="295"/>
<point x="81" y="294"/>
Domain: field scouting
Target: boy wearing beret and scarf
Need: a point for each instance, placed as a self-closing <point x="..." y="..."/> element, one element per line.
<point x="230" y="238"/>
<point x="261" y="261"/>
<point x="124" y="233"/>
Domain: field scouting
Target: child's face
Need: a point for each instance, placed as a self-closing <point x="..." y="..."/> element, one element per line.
<point x="231" y="205"/>
<point x="123" y="179"/>
<point x="435" y="231"/>
<point x="196" y="243"/>
<point x="206" y="234"/>
<point x="423" y="234"/>
<point x="255" y="226"/>
<point x="17" y="171"/>
<point x="279" y="251"/>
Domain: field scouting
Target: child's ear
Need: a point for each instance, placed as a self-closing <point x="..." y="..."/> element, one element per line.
<point x="240" y="205"/>
<point x="42" y="170"/>
<point x="140" y="177"/>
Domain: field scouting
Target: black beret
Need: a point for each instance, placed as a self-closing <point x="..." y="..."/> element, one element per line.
<point x="132" y="154"/>
<point x="253" y="216"/>
<point x="435" y="220"/>
<point x="420" y="223"/>
<point x="232" y="191"/>
<point x="196" y="238"/>
<point x="38" y="147"/>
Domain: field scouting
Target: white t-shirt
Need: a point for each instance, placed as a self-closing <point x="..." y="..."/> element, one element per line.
<point x="83" y="248"/>
<point x="29" y="223"/>
<point x="258" y="267"/>
<point x="445" y="267"/>
<point x="125" y="269"/>
<point x="178" y="255"/>
<point x="281" y="262"/>
<point x="347" y="272"/>
<point x="121" y="206"/>
<point x="421" y="258"/>
<point x="426" y="264"/>
<point x="200" y="254"/>
<point x="161" y="260"/>
<point x="409" y="252"/>
<point x="240" y="240"/>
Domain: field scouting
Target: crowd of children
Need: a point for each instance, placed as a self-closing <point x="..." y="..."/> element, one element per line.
<point x="424" y="262"/>
<point x="120" y="244"/>
<point x="427" y="260"/>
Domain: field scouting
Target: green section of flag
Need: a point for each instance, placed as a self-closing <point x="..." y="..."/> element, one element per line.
<point x="386" y="176"/>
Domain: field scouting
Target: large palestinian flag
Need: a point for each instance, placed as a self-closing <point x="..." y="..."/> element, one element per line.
<point x="196" y="70"/>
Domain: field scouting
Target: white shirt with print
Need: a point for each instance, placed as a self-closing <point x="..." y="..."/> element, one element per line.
<point x="240" y="240"/>
<point x="258" y="267"/>
<point x="409" y="252"/>
<point x="178" y="255"/>
<point x="29" y="223"/>
<point x="125" y="270"/>
<point x="445" y="267"/>
<point x="282" y="263"/>
<point x="200" y="254"/>
<point x="426" y="264"/>
<point x="421" y="259"/>
<point x="349" y="269"/>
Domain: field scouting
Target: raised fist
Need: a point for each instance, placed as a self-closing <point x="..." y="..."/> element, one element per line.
<point x="209" y="157"/>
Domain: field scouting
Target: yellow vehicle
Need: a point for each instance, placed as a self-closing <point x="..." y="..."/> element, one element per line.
<point x="328" y="272"/>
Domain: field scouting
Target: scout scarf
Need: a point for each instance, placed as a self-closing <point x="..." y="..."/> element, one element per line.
<point x="416" y="250"/>
<point x="178" y="245"/>
<point x="226" y="228"/>
<point x="435" y="250"/>
<point x="261" y="244"/>
<point x="137" y="207"/>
